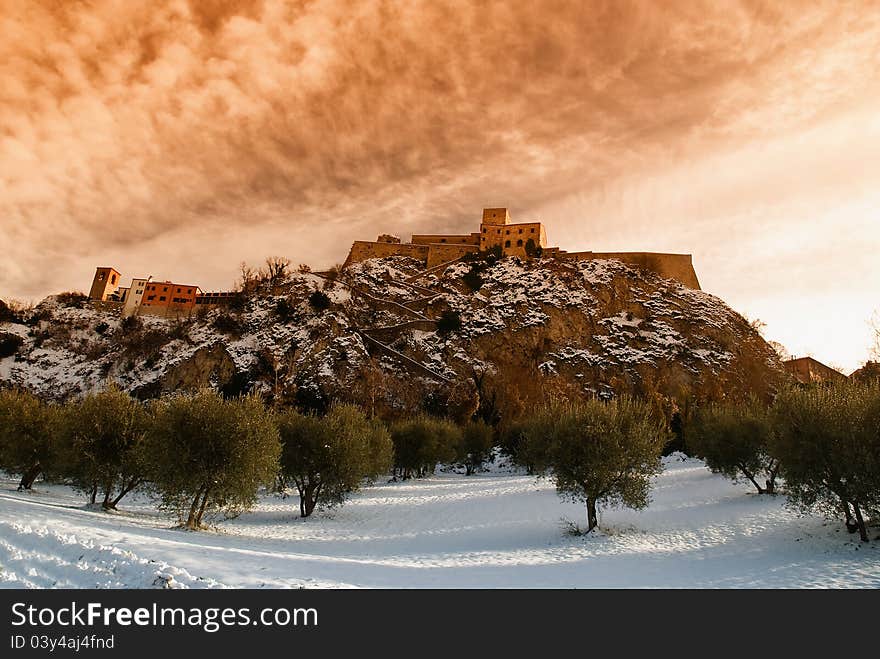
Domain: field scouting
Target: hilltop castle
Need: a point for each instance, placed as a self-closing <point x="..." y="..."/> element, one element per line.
<point x="520" y="239"/>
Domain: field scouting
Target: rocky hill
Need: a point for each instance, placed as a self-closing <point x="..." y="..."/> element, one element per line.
<point x="391" y="334"/>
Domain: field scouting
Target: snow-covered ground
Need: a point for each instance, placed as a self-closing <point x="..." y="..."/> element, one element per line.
<point x="490" y="530"/>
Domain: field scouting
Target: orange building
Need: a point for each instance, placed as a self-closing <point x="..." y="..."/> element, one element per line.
<point x="165" y="298"/>
<point x="104" y="284"/>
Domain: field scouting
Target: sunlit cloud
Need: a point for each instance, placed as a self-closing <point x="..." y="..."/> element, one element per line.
<point x="178" y="138"/>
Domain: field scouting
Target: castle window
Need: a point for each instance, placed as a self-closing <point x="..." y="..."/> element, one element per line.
<point x="532" y="230"/>
<point x="508" y="232"/>
<point x="484" y="229"/>
<point x="520" y="230"/>
<point x="499" y="232"/>
<point x="519" y="243"/>
<point x="443" y="240"/>
<point x="165" y="289"/>
<point x="189" y="290"/>
<point x="162" y="299"/>
<point x="150" y="297"/>
<point x="113" y="279"/>
<point x="178" y="290"/>
<point x="507" y="243"/>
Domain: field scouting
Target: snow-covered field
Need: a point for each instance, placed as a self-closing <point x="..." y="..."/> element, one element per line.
<point x="490" y="530"/>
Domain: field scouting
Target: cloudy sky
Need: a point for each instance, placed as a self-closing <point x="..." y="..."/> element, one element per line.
<point x="179" y="138"/>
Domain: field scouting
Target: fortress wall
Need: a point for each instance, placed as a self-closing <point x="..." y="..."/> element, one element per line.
<point x="452" y="239"/>
<point x="442" y="253"/>
<point x="671" y="266"/>
<point x="361" y="250"/>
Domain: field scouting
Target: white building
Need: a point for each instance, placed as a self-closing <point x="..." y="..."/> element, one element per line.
<point x="135" y="296"/>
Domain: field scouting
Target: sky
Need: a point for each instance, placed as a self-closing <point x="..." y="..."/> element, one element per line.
<point x="179" y="138"/>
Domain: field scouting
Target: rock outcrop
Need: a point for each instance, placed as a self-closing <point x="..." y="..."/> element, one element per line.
<point x="599" y="327"/>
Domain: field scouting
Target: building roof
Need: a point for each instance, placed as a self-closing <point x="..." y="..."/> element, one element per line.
<point x="807" y="370"/>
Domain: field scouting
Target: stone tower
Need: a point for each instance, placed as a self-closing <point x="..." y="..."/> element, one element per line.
<point x="496" y="216"/>
<point x="104" y="284"/>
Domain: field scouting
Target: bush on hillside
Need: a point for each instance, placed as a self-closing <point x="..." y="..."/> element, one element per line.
<point x="9" y="344"/>
<point x="449" y="321"/>
<point x="73" y="299"/>
<point x="7" y="314"/>
<point x="319" y="301"/>
<point x="230" y="324"/>
<point x="473" y="279"/>
<point x="283" y="309"/>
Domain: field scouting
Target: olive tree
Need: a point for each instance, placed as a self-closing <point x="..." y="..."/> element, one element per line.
<point x="734" y="440"/>
<point x="600" y="453"/>
<point x="211" y="455"/>
<point x="421" y="443"/>
<point x="28" y="432"/>
<point x="474" y="446"/>
<point x="828" y="441"/>
<point x="103" y="445"/>
<point x="327" y="458"/>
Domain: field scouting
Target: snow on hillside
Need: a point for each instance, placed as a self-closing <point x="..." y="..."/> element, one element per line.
<point x="495" y="529"/>
<point x="604" y="325"/>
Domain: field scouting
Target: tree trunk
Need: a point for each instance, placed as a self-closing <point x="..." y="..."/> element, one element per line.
<point x="851" y="525"/>
<point x="772" y="471"/>
<point x="94" y="494"/>
<point x="191" y="520"/>
<point x="123" y="491"/>
<point x="752" y="478"/>
<point x="28" y="477"/>
<point x="592" y="517"/>
<point x="863" y="531"/>
<point x="307" y="500"/>
<point x="202" y="508"/>
<point x="302" y="500"/>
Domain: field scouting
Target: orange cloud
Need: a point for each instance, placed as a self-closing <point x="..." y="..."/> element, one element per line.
<point x="149" y="131"/>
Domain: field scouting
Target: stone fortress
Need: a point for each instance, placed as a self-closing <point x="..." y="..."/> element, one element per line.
<point x="522" y="239"/>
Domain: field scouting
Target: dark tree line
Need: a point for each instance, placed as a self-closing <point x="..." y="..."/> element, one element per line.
<point x="823" y="441"/>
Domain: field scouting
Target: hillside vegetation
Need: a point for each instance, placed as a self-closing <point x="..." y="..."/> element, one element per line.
<point x="482" y="335"/>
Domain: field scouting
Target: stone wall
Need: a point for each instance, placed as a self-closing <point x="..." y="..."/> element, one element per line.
<point x="430" y="255"/>
<point x="441" y="238"/>
<point x="671" y="266"/>
<point x="442" y="253"/>
<point x="361" y="250"/>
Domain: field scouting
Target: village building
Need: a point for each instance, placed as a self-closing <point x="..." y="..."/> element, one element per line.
<point x="807" y="370"/>
<point x="168" y="299"/>
<point x="132" y="301"/>
<point x="104" y="284"/>
<point x="148" y="297"/>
